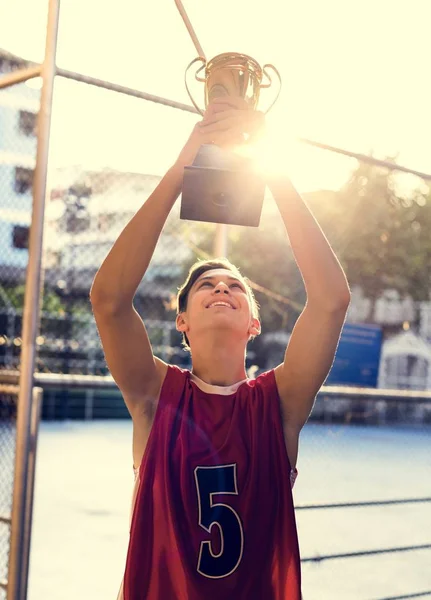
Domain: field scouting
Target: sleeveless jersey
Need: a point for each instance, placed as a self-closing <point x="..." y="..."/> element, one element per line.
<point x="213" y="514"/>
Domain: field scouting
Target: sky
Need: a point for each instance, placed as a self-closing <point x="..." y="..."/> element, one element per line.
<point x="355" y="75"/>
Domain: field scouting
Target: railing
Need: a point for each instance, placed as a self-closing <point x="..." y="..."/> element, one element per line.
<point x="379" y="551"/>
<point x="339" y="505"/>
<point x="334" y="391"/>
<point x="334" y="403"/>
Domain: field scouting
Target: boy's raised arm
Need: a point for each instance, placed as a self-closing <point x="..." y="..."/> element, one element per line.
<point x="124" y="338"/>
<point x="125" y="341"/>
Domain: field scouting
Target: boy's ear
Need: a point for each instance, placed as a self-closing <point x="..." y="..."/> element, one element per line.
<point x="255" y="327"/>
<point x="181" y="324"/>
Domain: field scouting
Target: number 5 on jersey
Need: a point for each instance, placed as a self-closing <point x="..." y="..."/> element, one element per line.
<point x="210" y="481"/>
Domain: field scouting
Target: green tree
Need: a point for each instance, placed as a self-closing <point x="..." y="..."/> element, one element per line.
<point x="51" y="302"/>
<point x="379" y="234"/>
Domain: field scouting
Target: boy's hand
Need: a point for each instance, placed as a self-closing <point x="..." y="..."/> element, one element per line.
<point x="228" y="122"/>
<point x="233" y="114"/>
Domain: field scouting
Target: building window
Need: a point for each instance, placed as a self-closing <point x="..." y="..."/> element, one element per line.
<point x="27" y="123"/>
<point x="23" y="180"/>
<point x="20" y="235"/>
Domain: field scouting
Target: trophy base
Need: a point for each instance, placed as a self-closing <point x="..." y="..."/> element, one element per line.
<point x="221" y="187"/>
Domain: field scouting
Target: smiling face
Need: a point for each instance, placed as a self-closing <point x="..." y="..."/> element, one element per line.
<point x="219" y="303"/>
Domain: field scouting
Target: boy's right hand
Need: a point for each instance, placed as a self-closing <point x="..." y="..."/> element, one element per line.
<point x="228" y="138"/>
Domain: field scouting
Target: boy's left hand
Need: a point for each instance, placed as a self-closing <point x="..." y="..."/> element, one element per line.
<point x="233" y="114"/>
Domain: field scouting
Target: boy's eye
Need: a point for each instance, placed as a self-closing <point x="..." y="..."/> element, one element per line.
<point x="238" y="285"/>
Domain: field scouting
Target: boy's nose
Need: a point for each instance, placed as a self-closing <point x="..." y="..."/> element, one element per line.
<point x="221" y="287"/>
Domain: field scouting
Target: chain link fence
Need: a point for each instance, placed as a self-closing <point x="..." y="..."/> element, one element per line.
<point x="8" y="416"/>
<point x="17" y="472"/>
<point x="19" y="106"/>
<point x="88" y="205"/>
<point x="103" y="166"/>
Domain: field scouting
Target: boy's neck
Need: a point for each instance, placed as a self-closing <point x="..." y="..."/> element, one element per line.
<point x="222" y="366"/>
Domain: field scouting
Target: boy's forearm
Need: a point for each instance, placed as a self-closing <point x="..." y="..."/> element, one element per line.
<point x="122" y="270"/>
<point x="323" y="276"/>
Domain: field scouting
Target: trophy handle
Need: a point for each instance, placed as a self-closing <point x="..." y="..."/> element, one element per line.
<point x="268" y="85"/>
<point x="195" y="60"/>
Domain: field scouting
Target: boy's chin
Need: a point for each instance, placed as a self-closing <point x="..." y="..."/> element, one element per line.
<point x="224" y="331"/>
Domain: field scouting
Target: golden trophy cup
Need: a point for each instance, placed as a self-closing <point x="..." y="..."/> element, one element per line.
<point x="222" y="186"/>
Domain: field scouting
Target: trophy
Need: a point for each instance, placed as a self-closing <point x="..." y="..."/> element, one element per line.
<point x="223" y="186"/>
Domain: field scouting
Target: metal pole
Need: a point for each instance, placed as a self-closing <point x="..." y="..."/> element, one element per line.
<point x="121" y="89"/>
<point x="220" y="241"/>
<point x="190" y="29"/>
<point x="366" y="159"/>
<point x="16" y="587"/>
<point x="19" y="76"/>
<point x="34" y="431"/>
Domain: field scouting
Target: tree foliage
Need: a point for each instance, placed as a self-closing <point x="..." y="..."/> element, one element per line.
<point x="380" y="235"/>
<point x="15" y="298"/>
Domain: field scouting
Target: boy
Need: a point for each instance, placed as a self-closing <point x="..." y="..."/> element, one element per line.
<point x="215" y="453"/>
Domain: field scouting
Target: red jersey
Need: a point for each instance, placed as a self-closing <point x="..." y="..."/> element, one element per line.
<point x="213" y="517"/>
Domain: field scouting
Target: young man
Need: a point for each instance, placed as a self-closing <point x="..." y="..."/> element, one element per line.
<point x="215" y="453"/>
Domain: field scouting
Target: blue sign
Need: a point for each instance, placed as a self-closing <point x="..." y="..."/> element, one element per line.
<point x="358" y="356"/>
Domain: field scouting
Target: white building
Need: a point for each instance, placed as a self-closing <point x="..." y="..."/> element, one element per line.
<point x="405" y="363"/>
<point x="19" y="105"/>
<point x="406" y="355"/>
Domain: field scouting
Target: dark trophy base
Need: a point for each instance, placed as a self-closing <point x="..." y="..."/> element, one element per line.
<point x="222" y="187"/>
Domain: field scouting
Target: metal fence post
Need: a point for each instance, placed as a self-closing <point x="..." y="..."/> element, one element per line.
<point x="17" y="557"/>
<point x="28" y="518"/>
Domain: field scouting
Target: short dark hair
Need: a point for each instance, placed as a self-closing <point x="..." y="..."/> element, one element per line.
<point x="196" y="270"/>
